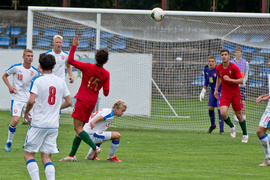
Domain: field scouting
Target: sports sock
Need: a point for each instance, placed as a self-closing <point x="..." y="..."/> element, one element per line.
<point x="221" y="122"/>
<point x="243" y="127"/>
<point x="244" y="116"/>
<point x="235" y="118"/>
<point x="11" y="132"/>
<point x="229" y="122"/>
<point x="76" y="143"/>
<point x="49" y="171"/>
<point x="90" y="153"/>
<point x="32" y="168"/>
<point x="212" y="117"/>
<point x="85" y="137"/>
<point x="265" y="145"/>
<point x="114" y="146"/>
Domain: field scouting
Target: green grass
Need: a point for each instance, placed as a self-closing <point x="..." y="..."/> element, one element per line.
<point x="147" y="154"/>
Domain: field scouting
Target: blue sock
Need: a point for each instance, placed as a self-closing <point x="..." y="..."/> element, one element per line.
<point x="212" y="117"/>
<point x="221" y="122"/>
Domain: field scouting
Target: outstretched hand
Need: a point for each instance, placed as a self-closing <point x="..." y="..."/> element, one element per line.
<point x="76" y="41"/>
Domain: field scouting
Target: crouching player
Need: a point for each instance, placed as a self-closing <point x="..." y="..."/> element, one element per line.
<point x="99" y="123"/>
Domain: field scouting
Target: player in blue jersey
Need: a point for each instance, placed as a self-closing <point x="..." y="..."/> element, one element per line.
<point x="210" y="75"/>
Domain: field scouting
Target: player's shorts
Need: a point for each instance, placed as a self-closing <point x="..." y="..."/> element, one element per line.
<point x="100" y="137"/>
<point x="43" y="139"/>
<point x="236" y="102"/>
<point x="18" y="108"/>
<point x="243" y="93"/>
<point x="82" y="111"/>
<point x="212" y="101"/>
<point x="264" y="122"/>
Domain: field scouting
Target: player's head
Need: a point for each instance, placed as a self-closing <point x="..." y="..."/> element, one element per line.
<point x="211" y="61"/>
<point x="28" y="56"/>
<point x="46" y="61"/>
<point x="238" y="52"/>
<point x="225" y="55"/>
<point x="57" y="42"/>
<point x="119" y="107"/>
<point x="102" y="56"/>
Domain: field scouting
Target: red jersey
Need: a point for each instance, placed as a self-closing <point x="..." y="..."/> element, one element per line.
<point x="93" y="79"/>
<point x="228" y="88"/>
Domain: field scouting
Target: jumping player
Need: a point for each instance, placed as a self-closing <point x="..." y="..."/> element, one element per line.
<point x="94" y="77"/>
<point x="46" y="94"/>
<point x="99" y="123"/>
<point x="23" y="74"/>
<point x="230" y="76"/>
<point x="210" y="75"/>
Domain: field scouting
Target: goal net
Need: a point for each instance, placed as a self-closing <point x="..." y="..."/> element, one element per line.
<point x="179" y="46"/>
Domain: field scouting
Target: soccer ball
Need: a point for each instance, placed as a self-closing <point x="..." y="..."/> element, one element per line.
<point x="157" y="14"/>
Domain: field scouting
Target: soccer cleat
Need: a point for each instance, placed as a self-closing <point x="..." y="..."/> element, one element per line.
<point x="233" y="133"/>
<point x="221" y="132"/>
<point x="211" y="129"/>
<point x="96" y="159"/>
<point x="7" y="147"/>
<point x="114" y="159"/>
<point x="244" y="138"/>
<point x="69" y="158"/>
<point x="266" y="162"/>
<point x="95" y="153"/>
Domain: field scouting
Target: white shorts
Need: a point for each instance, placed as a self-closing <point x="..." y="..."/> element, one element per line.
<point x="18" y="108"/>
<point x="100" y="137"/>
<point x="45" y="139"/>
<point x="264" y="122"/>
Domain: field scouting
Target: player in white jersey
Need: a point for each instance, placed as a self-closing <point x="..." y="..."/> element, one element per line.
<point x="99" y="123"/>
<point x="60" y="59"/>
<point x="46" y="94"/>
<point x="23" y="74"/>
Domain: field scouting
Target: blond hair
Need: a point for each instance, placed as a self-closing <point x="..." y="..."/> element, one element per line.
<point x="57" y="36"/>
<point x="27" y="50"/>
<point x="118" y="103"/>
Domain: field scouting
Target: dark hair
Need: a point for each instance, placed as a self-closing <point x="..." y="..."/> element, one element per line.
<point x="224" y="50"/>
<point x="46" y="61"/>
<point x="102" y="56"/>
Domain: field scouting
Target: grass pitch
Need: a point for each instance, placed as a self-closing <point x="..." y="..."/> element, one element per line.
<point x="146" y="154"/>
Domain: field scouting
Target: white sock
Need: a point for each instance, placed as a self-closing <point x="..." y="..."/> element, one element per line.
<point x="265" y="145"/>
<point x="32" y="168"/>
<point x="90" y="153"/>
<point x="49" y="171"/>
<point x="114" y="146"/>
<point x="11" y="132"/>
<point x="235" y="118"/>
<point x="244" y="116"/>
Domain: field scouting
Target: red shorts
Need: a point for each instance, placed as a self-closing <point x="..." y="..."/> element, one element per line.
<point x="82" y="111"/>
<point x="236" y="102"/>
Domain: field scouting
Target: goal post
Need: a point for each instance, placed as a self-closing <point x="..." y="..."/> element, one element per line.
<point x="179" y="46"/>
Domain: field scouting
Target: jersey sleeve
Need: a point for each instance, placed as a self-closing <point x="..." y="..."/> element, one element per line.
<point x="33" y="87"/>
<point x="106" y="85"/>
<point x="205" y="78"/>
<point x="77" y="64"/>
<point x="66" y="91"/>
<point x="11" y="70"/>
<point x="107" y="113"/>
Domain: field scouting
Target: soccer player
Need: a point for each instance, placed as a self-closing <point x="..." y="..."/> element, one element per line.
<point x="60" y="58"/>
<point x="46" y="94"/>
<point x="99" y="123"/>
<point x="230" y="76"/>
<point x="244" y="68"/>
<point x="210" y="75"/>
<point x="22" y="73"/>
<point x="94" y="77"/>
<point x="264" y="124"/>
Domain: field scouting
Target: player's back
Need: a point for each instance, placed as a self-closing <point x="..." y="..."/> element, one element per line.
<point x="49" y="90"/>
<point x="93" y="79"/>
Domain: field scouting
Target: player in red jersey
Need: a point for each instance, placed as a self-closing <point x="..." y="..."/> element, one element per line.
<point x="94" y="77"/>
<point x="230" y="76"/>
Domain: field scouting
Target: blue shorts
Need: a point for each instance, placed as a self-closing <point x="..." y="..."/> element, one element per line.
<point x="213" y="102"/>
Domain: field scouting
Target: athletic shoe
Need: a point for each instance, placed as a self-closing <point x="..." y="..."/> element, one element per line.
<point x="86" y="158"/>
<point x="211" y="129"/>
<point x="236" y="122"/>
<point x="114" y="159"/>
<point x="221" y="132"/>
<point x="266" y="162"/>
<point x="7" y="147"/>
<point x="244" y="138"/>
<point x="233" y="133"/>
<point x="95" y="153"/>
<point x="69" y="158"/>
